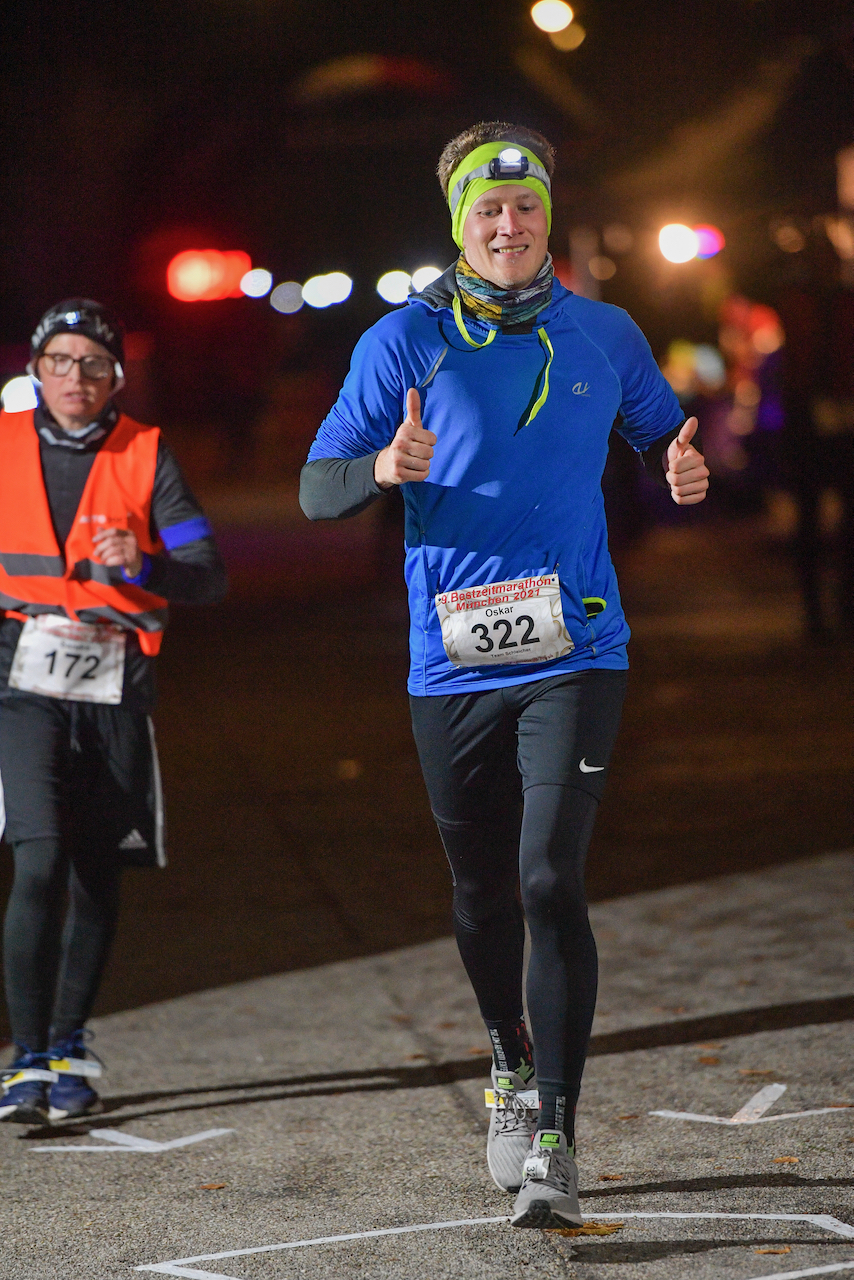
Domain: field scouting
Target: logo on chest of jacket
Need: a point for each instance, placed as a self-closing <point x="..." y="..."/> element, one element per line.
<point x="581" y="389"/>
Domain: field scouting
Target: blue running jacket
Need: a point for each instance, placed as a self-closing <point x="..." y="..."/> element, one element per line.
<point x="504" y="502"/>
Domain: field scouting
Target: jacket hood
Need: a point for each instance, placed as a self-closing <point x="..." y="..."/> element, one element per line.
<point x="440" y="293"/>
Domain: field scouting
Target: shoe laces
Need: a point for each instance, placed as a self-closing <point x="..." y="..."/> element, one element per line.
<point x="511" y="1114"/>
<point x="558" y="1170"/>
<point x="75" y="1045"/>
<point x="26" y="1058"/>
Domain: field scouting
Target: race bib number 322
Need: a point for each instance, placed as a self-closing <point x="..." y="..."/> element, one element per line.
<point x="502" y="622"/>
<point x="75" y="661"/>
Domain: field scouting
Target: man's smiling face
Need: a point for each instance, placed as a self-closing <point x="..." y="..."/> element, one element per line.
<point x="505" y="236"/>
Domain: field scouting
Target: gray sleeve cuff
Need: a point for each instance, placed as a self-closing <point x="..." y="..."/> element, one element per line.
<point x="335" y="488"/>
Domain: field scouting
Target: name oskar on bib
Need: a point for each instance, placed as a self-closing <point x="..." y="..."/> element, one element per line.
<point x="502" y="622"/>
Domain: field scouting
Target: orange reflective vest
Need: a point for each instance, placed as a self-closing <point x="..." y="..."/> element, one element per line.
<point x="34" y="569"/>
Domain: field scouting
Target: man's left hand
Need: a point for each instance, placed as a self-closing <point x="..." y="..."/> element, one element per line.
<point x="119" y="547"/>
<point x="686" y="471"/>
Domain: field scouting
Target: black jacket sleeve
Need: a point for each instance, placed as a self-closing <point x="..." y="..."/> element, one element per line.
<point x="190" y="570"/>
<point x="334" y="488"/>
<point x="652" y="458"/>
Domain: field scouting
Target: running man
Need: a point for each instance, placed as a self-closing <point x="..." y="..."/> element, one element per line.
<point x="508" y="386"/>
<point x="98" y="534"/>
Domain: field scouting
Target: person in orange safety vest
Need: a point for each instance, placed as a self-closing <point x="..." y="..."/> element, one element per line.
<point x="99" y="534"/>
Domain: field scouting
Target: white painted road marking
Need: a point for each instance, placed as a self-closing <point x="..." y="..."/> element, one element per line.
<point x="177" y="1267"/>
<point x="795" y="1275"/>
<point x="129" y="1142"/>
<point x="180" y="1267"/>
<point x="759" y="1104"/>
<point x="753" y="1111"/>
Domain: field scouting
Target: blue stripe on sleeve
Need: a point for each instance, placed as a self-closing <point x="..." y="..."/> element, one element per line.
<point x="143" y="575"/>
<point x="187" y="531"/>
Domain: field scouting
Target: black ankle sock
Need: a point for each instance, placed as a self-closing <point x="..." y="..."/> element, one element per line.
<point x="554" y="1111"/>
<point x="511" y="1047"/>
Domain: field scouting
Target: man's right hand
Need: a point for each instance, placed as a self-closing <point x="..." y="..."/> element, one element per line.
<point x="408" y="456"/>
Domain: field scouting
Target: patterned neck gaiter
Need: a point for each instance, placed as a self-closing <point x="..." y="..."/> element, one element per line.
<point x="504" y="307"/>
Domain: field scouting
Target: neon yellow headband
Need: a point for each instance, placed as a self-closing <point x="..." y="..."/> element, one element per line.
<point x="495" y="164"/>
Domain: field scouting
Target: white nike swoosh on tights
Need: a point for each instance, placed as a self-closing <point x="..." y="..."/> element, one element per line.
<point x="591" y="768"/>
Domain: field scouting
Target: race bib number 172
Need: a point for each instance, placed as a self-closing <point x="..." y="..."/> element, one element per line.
<point x="503" y="622"/>
<point x="74" y="661"/>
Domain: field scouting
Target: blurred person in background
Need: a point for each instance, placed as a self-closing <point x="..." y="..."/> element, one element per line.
<point x="99" y="533"/>
<point x="817" y="439"/>
<point x="509" y="386"/>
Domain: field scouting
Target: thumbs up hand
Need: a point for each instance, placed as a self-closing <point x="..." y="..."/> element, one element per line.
<point x="408" y="456"/>
<point x="686" y="471"/>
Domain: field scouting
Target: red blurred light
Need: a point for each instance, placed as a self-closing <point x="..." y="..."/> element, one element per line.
<point x="711" y="240"/>
<point x="205" y="275"/>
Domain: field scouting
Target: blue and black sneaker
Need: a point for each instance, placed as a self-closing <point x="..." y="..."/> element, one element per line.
<point x="25" y="1083"/>
<point x="71" y="1094"/>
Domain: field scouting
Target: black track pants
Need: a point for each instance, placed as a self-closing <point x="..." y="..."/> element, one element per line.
<point x="76" y="780"/>
<point x="53" y="972"/>
<point x="514" y="777"/>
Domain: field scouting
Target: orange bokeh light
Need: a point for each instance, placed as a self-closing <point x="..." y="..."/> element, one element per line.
<point x="205" y="275"/>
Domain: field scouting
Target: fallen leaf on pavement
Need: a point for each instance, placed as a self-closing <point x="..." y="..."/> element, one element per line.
<point x="786" y="1160"/>
<point x="752" y="1071"/>
<point x="709" y="1062"/>
<point x="632" y="1116"/>
<point x="610" y="1177"/>
<point x="785" y="1249"/>
<point x="212" y="1186"/>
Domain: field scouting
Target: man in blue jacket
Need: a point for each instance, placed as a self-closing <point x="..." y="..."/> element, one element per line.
<point x="509" y="386"/>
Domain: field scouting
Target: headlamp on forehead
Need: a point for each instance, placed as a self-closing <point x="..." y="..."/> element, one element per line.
<point x="510" y="164"/>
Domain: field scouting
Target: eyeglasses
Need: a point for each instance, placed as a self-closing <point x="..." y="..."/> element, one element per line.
<point x="95" y="368"/>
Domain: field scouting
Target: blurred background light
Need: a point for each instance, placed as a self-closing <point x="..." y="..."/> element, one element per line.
<point x="617" y="238"/>
<point x="787" y="237"/>
<point x="678" y="243"/>
<point x="710" y="367"/>
<point x="601" y="268"/>
<point x="424" y="276"/>
<point x="551" y="15"/>
<point x="256" y="283"/>
<point x="207" y="275"/>
<point x="287" y="298"/>
<point x="19" y="394"/>
<point x="361" y="73"/>
<point x="393" y="287"/>
<point x="710" y="240"/>
<point x="840" y="233"/>
<point x="693" y="369"/>
<point x="747" y="393"/>
<point x="338" y="286"/>
<point x="767" y="339"/>
<point x="569" y="38"/>
<point x="325" y="291"/>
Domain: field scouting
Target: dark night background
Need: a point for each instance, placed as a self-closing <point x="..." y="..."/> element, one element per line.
<point x="300" y="832"/>
<point x="134" y="131"/>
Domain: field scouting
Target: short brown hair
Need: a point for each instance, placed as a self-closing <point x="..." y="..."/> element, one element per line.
<point x="492" y="131"/>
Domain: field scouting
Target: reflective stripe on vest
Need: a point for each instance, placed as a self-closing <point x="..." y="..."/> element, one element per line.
<point x="117" y="494"/>
<point x="22" y="564"/>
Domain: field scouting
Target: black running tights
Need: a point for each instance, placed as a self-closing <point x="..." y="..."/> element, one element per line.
<point x="53" y="971"/>
<point x="514" y="777"/>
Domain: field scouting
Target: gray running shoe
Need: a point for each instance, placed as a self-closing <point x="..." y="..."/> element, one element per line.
<point x="549" y="1194"/>
<point x="512" y="1125"/>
